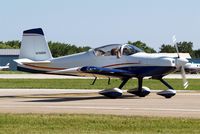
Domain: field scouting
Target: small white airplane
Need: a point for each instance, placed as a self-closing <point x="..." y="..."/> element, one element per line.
<point x="123" y="61"/>
<point x="5" y="68"/>
<point x="192" y="67"/>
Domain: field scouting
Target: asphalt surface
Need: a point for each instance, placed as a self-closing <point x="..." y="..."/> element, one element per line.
<point x="184" y="104"/>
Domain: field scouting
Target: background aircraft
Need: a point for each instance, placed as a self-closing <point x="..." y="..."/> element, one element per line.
<point x="6" y="67"/>
<point x="192" y="67"/>
<point x="116" y="60"/>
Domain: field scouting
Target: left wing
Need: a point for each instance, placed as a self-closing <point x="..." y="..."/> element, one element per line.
<point x="95" y="71"/>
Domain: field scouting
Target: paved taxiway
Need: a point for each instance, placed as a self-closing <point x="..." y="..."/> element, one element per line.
<point x="90" y="102"/>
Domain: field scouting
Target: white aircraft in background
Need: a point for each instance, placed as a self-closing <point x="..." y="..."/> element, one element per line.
<point x="5" y="68"/>
<point x="123" y="61"/>
<point x="192" y="67"/>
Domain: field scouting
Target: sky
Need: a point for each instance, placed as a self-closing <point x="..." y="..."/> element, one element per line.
<point x="100" y="22"/>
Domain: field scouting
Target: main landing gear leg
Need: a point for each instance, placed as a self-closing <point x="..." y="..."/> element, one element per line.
<point x="140" y="91"/>
<point x="124" y="81"/>
<point x="114" y="92"/>
<point x="167" y="93"/>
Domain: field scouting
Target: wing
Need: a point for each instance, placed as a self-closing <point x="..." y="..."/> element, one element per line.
<point x="95" y="71"/>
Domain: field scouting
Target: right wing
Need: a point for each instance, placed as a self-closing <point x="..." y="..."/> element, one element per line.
<point x="95" y="71"/>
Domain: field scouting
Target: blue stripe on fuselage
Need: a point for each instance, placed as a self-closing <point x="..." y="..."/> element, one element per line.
<point x="148" y="70"/>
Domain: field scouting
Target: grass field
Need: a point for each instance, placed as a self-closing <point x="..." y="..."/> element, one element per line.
<point x="104" y="124"/>
<point x="85" y="83"/>
<point x="12" y="72"/>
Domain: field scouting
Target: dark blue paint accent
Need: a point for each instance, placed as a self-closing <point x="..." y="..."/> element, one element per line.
<point x="131" y="71"/>
<point x="34" y="31"/>
<point x="142" y="71"/>
<point x="106" y="71"/>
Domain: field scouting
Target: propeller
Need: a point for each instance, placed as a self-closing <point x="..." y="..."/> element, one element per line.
<point x="180" y="62"/>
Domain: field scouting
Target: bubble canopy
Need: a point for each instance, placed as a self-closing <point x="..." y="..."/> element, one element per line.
<point x="123" y="49"/>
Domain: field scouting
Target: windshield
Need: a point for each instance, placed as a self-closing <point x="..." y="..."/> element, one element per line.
<point x="114" y="49"/>
<point x="127" y="49"/>
<point x="107" y="50"/>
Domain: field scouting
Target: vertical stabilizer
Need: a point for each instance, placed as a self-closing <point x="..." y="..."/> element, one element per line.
<point x="34" y="45"/>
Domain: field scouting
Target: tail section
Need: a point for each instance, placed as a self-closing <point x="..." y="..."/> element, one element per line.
<point x="34" y="46"/>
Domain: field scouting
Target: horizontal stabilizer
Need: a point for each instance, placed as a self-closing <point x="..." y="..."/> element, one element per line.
<point x="28" y="61"/>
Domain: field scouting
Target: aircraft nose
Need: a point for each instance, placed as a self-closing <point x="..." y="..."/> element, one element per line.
<point x="181" y="62"/>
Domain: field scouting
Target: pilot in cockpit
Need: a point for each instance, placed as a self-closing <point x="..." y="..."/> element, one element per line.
<point x="114" y="51"/>
<point x="126" y="51"/>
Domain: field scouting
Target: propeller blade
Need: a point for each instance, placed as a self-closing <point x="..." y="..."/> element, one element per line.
<point x="185" y="82"/>
<point x="181" y="62"/>
<point x="174" y="42"/>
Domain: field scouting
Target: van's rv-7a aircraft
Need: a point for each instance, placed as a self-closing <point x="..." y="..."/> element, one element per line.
<point x="123" y="61"/>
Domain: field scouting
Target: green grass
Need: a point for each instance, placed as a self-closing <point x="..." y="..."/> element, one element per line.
<point x="102" y="124"/>
<point x="12" y="72"/>
<point x="85" y="83"/>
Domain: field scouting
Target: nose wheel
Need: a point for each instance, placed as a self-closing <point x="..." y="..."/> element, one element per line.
<point x="170" y="92"/>
<point x="167" y="93"/>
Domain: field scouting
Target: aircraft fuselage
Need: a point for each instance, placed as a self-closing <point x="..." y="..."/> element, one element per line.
<point x="140" y="64"/>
